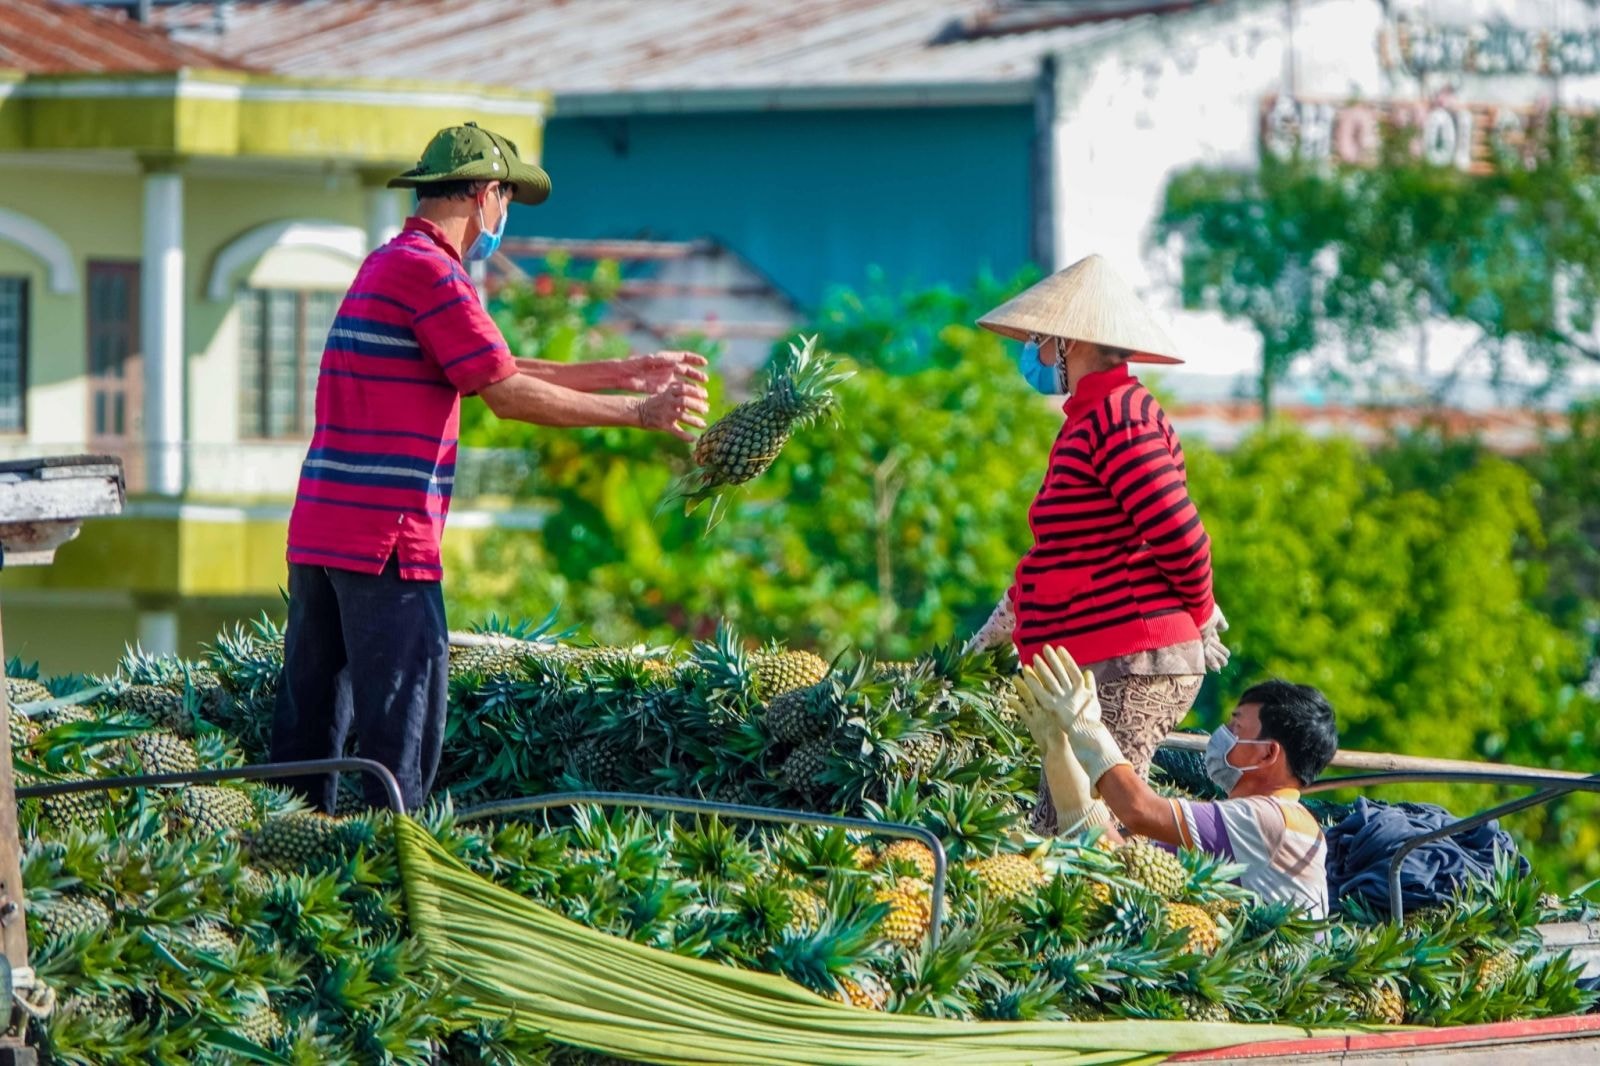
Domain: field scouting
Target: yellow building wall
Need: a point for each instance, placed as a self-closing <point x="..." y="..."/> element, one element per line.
<point x="217" y="212"/>
<point x="98" y="216"/>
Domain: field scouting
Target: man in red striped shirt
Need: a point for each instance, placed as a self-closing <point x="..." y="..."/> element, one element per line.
<point x="366" y="646"/>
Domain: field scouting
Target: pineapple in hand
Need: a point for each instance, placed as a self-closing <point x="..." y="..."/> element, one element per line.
<point x="742" y="444"/>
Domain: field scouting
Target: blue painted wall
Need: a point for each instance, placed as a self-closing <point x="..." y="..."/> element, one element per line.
<point x="811" y="198"/>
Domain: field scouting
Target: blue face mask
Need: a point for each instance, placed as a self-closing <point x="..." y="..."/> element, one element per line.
<point x="488" y="243"/>
<point x="1044" y="377"/>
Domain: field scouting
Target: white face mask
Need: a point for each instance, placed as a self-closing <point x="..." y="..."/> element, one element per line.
<point x="1223" y="773"/>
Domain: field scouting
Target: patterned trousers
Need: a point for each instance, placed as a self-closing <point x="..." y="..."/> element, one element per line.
<point x="1140" y="711"/>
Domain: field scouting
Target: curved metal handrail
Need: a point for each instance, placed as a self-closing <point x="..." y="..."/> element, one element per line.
<point x="259" y="772"/>
<point x="1554" y="786"/>
<point x="681" y="805"/>
<point x="1449" y="777"/>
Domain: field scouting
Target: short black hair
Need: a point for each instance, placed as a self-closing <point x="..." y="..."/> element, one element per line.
<point x="1300" y="718"/>
<point x="455" y="190"/>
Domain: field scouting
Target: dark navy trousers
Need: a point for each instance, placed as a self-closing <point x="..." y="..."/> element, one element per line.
<point x="369" y="652"/>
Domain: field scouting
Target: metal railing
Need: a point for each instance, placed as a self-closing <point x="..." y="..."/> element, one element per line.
<point x="1387" y="769"/>
<point x="780" y="815"/>
<point x="261" y="772"/>
<point x="269" y="470"/>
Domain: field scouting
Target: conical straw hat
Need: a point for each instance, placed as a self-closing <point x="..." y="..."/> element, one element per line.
<point x="1085" y="302"/>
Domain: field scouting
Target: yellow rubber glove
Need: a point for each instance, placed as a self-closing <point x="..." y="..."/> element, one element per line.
<point x="1076" y="808"/>
<point x="1057" y="685"/>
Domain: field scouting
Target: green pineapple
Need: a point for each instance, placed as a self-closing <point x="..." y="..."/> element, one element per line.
<point x="66" y="714"/>
<point x="1155" y="868"/>
<point x="155" y="703"/>
<point x="787" y="671"/>
<point x="53" y="918"/>
<point x="74" y="808"/>
<point x="598" y="762"/>
<point x="259" y="1023"/>
<point x="160" y="752"/>
<point x="209" y="809"/>
<point x="23" y="731"/>
<point x="212" y="938"/>
<point x="295" y="840"/>
<point x="921" y="752"/>
<point x="793" y="717"/>
<point x="106" y="1011"/>
<point x="802" y="770"/>
<point x="741" y="444"/>
<point x="487" y="660"/>
<point x="1199" y="1009"/>
<point x="21" y="690"/>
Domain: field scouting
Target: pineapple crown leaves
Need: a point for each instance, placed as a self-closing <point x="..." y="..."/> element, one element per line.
<point x="1036" y="999"/>
<point x="712" y="852"/>
<point x="971" y="822"/>
<point x="942" y="979"/>
<point x="522" y="629"/>
<point x="1059" y="915"/>
<point x="799" y="381"/>
<point x="1084" y="971"/>
<point x="838" y="947"/>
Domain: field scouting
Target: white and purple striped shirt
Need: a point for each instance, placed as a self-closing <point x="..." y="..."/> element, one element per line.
<point x="1274" y="837"/>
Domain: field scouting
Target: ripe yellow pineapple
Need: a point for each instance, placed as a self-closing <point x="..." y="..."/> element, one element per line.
<point x="910" y="912"/>
<point x="1384" y="1004"/>
<point x="1203" y="937"/>
<point x="908" y="851"/>
<point x="1099" y="891"/>
<point x="866" y="990"/>
<point x="1493" y="968"/>
<point x="808" y="909"/>
<point x="1008" y="876"/>
<point x="743" y="443"/>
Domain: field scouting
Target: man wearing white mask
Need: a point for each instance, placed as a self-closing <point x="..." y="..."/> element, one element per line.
<point x="1280" y="738"/>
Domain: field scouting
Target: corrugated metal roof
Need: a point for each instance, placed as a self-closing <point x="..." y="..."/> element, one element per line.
<point x="587" y="47"/>
<point x="40" y="37"/>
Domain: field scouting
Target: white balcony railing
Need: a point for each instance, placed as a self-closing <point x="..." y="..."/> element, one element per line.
<point x="270" y="470"/>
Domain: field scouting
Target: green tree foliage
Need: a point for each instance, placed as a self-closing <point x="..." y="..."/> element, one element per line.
<point x="1332" y="263"/>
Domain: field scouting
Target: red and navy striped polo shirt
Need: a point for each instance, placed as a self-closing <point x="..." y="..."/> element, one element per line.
<point x="1120" y="561"/>
<point x="410" y="338"/>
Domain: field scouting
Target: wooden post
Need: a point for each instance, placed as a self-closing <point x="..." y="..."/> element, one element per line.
<point x="42" y="504"/>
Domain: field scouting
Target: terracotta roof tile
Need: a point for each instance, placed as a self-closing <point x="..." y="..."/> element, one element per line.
<point x="41" y="37"/>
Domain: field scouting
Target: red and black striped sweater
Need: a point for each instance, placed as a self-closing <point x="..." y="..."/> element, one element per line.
<point x="1120" y="562"/>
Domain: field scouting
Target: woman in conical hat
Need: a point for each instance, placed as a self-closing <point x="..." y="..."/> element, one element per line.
<point x="1119" y="574"/>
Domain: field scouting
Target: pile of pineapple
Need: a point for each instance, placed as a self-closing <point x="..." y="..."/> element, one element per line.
<point x="226" y="923"/>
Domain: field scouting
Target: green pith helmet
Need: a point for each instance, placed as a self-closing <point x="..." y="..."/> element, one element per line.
<point x="468" y="153"/>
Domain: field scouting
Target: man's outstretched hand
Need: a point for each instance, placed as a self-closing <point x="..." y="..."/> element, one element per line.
<point x="675" y="408"/>
<point x="649" y="374"/>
